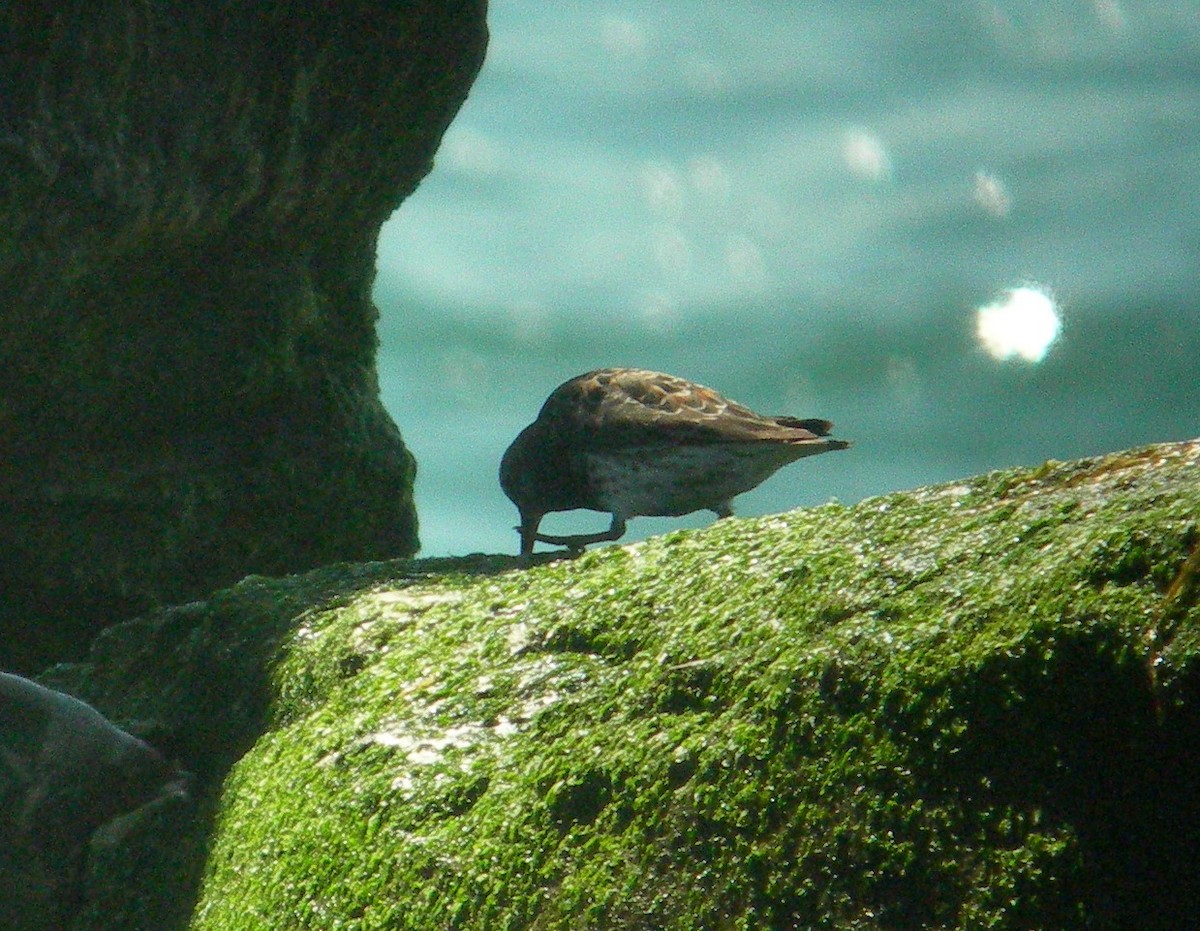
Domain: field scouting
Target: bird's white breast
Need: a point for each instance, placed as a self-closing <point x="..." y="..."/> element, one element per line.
<point x="671" y="481"/>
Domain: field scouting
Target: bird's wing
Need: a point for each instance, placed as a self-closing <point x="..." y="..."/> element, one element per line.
<point x="631" y="406"/>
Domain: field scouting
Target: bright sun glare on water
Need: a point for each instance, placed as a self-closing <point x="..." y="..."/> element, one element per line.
<point x="1024" y="322"/>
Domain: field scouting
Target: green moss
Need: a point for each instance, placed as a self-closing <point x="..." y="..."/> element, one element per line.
<point x="969" y="706"/>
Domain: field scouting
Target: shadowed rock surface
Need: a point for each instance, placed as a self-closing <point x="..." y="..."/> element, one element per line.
<point x="966" y="706"/>
<point x="65" y="770"/>
<point x="190" y="196"/>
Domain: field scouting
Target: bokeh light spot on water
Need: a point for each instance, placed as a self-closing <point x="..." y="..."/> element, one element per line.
<point x="1110" y="13"/>
<point x="663" y="189"/>
<point x="672" y="252"/>
<point x="991" y="194"/>
<point x="745" y="262"/>
<point x="658" y="309"/>
<point x="703" y="75"/>
<point x="865" y="155"/>
<point x="624" y="38"/>
<point x="710" y="179"/>
<point x="1024" y="322"/>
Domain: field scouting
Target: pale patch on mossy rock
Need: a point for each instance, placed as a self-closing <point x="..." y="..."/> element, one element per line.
<point x="966" y="706"/>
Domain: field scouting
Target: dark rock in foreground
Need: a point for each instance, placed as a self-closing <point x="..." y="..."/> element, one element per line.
<point x="973" y="705"/>
<point x="65" y="772"/>
<point x="190" y="201"/>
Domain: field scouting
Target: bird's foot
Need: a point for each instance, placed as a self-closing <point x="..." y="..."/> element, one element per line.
<point x="576" y="542"/>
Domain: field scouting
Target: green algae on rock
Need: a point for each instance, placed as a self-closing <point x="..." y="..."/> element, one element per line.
<point x="967" y="706"/>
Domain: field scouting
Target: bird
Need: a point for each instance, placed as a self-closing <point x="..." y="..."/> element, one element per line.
<point x="632" y="442"/>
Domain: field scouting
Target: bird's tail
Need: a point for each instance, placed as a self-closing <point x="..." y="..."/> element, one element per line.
<point x="819" y="427"/>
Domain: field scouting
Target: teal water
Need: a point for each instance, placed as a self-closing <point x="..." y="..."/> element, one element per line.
<point x="805" y="206"/>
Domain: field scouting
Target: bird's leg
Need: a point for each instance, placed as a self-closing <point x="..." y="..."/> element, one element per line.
<point x="576" y="542"/>
<point x="724" y="509"/>
<point x="528" y="531"/>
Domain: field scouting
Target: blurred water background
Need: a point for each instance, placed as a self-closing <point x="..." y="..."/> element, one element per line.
<point x="968" y="233"/>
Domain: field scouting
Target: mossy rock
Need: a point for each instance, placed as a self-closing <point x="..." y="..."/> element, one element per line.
<point x="967" y="706"/>
<point x="190" y="201"/>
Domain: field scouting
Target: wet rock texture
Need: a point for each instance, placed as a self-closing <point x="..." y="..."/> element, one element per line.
<point x="190" y="196"/>
<point x="975" y="705"/>
<point x="65" y="771"/>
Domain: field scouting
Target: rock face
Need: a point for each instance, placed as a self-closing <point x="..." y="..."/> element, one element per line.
<point x="969" y="706"/>
<point x="65" y="770"/>
<point x="190" y="196"/>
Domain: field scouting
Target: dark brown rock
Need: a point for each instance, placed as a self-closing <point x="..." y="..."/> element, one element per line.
<point x="190" y="196"/>
<point x="65" y="770"/>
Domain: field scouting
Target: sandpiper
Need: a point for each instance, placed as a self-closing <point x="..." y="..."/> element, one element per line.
<point x="638" y="443"/>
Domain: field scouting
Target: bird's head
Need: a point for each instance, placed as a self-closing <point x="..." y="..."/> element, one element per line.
<point x="520" y="479"/>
